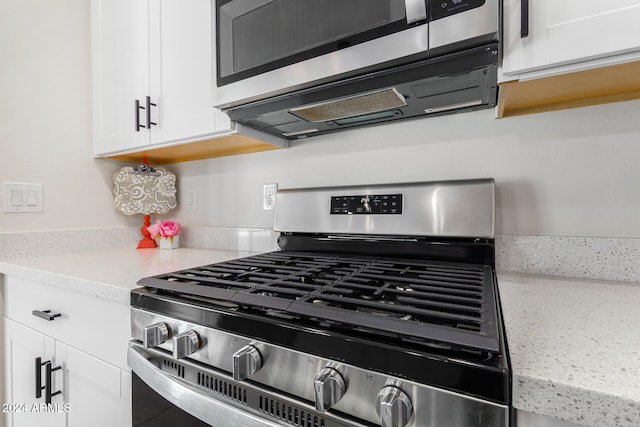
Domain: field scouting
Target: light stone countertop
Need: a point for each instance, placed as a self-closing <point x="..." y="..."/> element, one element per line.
<point x="110" y="273"/>
<point x="574" y="346"/>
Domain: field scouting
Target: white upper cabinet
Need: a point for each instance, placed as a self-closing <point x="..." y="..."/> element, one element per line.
<point x="158" y="54"/>
<point x="120" y="32"/>
<point x="182" y="84"/>
<point x="568" y="32"/>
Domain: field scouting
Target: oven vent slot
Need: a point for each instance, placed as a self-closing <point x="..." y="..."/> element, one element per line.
<point x="290" y="414"/>
<point x="227" y="389"/>
<point x="174" y="367"/>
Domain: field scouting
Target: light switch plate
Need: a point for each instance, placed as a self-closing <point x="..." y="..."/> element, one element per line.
<point x="22" y="197"/>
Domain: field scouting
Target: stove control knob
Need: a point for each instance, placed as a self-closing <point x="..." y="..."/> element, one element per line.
<point x="246" y="362"/>
<point x="156" y="334"/>
<point x="393" y="407"/>
<point x="329" y="388"/>
<point x="186" y="344"/>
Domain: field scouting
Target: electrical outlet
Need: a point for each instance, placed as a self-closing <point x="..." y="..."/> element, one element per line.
<point x="190" y="200"/>
<point x="269" y="196"/>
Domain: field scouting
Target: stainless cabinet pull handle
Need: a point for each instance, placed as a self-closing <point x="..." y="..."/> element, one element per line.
<point x="45" y="314"/>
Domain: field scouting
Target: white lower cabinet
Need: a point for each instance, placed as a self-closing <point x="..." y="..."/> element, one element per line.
<point x="22" y="348"/>
<point x="92" y="392"/>
<point x="98" y="394"/>
<point x="88" y="386"/>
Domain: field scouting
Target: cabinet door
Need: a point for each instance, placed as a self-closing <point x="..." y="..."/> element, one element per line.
<point x="22" y="346"/>
<point x="524" y="53"/>
<point x="580" y="30"/>
<point x="120" y="33"/>
<point x="181" y="69"/>
<point x="99" y="394"/>
<point x="568" y="32"/>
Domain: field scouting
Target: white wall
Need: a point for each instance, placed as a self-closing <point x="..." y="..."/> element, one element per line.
<point x="45" y="116"/>
<point x="574" y="172"/>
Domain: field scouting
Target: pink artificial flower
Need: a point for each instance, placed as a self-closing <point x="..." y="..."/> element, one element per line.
<point x="170" y="228"/>
<point x="166" y="228"/>
<point x="154" y="230"/>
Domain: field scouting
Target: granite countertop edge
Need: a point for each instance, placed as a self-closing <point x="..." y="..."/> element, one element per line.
<point x="571" y="356"/>
<point x="110" y="274"/>
<point x="572" y="403"/>
<point x="93" y="288"/>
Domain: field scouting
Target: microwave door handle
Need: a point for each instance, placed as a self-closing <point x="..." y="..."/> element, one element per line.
<point x="524" y="19"/>
<point x="187" y="397"/>
<point x="416" y="10"/>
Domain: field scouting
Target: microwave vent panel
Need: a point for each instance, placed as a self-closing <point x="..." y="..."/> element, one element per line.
<point x="367" y="103"/>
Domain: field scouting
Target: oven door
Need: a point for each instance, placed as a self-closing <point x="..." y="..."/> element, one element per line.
<point x="150" y="409"/>
<point x="269" y="47"/>
<point x="160" y="399"/>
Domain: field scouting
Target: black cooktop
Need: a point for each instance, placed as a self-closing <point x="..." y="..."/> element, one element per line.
<point x="451" y="305"/>
<point x="427" y="321"/>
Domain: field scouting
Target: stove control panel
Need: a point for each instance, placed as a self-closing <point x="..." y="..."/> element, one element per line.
<point x="370" y="204"/>
<point x="272" y="375"/>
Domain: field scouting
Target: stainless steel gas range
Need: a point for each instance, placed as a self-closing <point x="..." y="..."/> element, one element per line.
<point x="379" y="309"/>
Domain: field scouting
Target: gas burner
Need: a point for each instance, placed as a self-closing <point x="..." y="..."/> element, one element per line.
<point x="363" y="297"/>
<point x="405" y="317"/>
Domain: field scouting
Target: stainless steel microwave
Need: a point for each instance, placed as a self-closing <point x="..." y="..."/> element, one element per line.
<point x="271" y="53"/>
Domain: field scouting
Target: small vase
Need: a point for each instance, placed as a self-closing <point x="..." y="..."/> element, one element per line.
<point x="168" y="242"/>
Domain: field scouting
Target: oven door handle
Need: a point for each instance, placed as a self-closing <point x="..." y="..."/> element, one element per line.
<point x="187" y="397"/>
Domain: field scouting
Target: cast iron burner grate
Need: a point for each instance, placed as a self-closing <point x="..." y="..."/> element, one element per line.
<point x="451" y="303"/>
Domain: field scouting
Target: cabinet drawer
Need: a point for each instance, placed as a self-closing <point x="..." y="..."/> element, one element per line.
<point x="98" y="327"/>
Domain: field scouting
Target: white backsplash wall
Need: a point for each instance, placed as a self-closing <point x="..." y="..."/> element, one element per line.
<point x="45" y="117"/>
<point x="573" y="172"/>
<point x="569" y="173"/>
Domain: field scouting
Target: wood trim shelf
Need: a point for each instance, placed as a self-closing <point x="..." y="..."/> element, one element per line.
<point x="579" y="89"/>
<point x="198" y="150"/>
